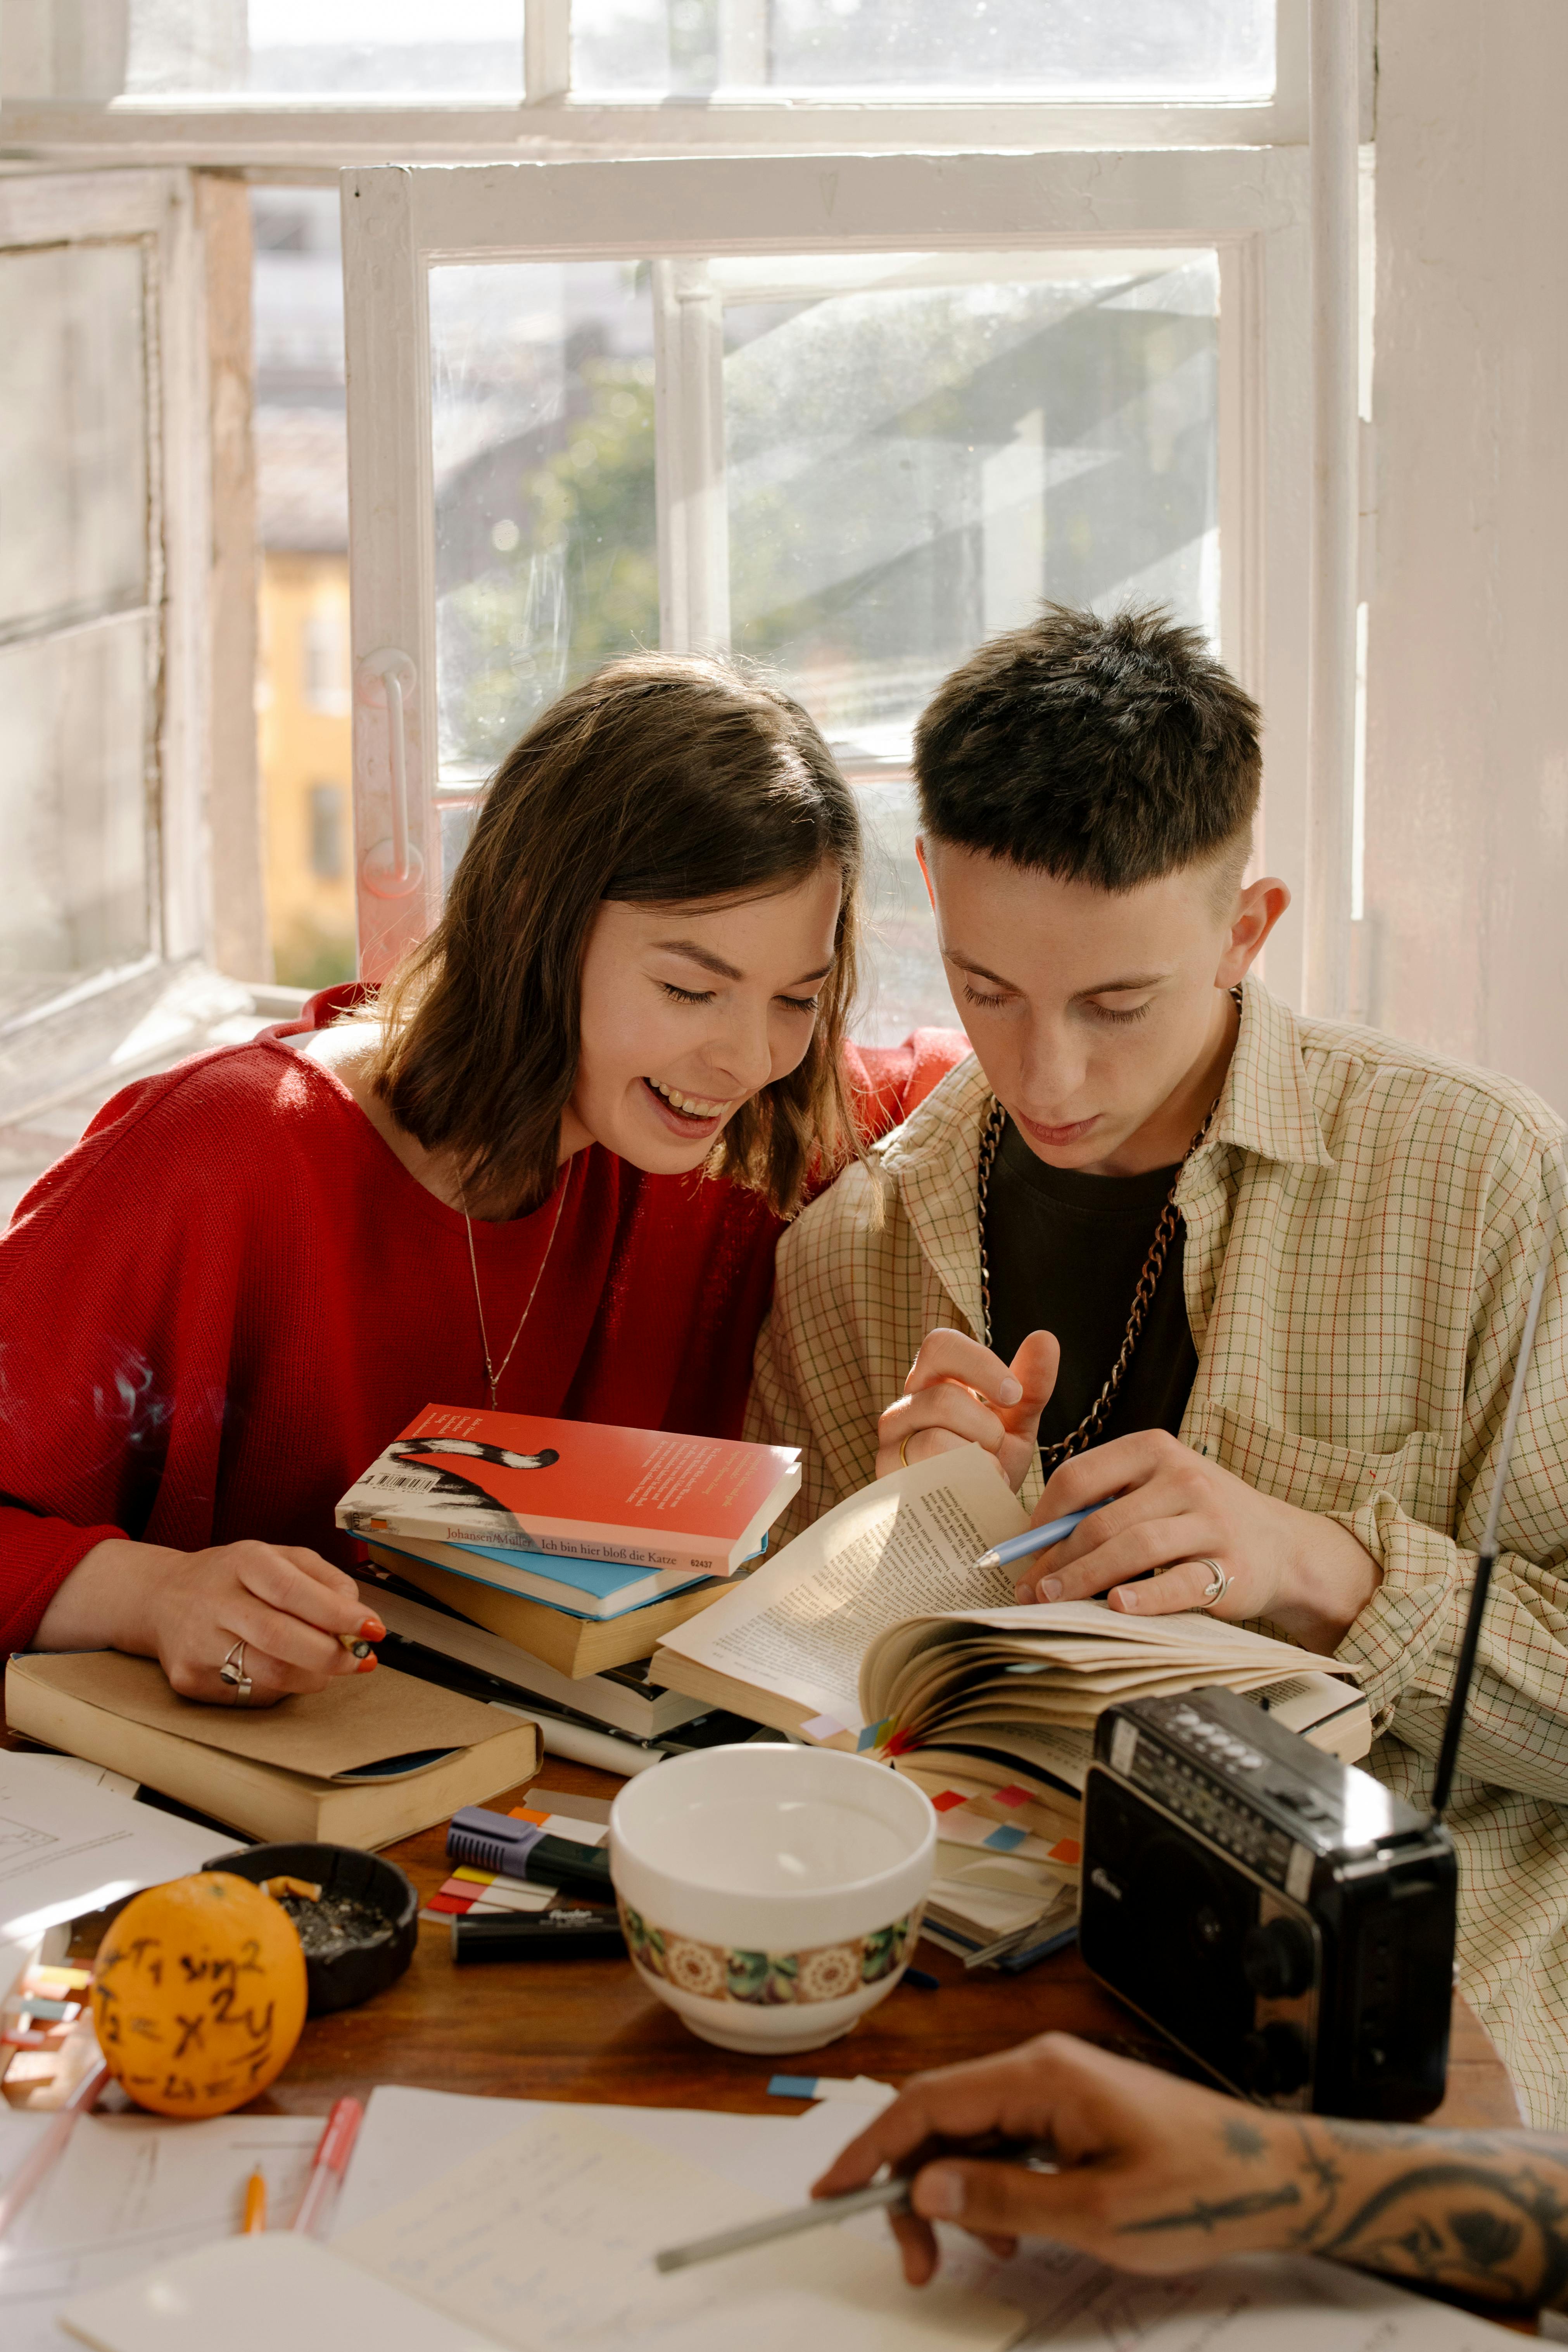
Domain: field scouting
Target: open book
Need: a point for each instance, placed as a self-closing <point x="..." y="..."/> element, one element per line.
<point x="875" y="1631"/>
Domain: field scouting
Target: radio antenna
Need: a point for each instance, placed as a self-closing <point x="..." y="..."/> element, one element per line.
<point x="1443" y="1785"/>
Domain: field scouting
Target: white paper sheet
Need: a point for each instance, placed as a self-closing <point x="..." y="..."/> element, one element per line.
<point x="409" y="2139"/>
<point x="68" y="1845"/>
<point x="135" y="2190"/>
<point x="1258" y="2302"/>
<point x="252" y="2294"/>
<point x="547" y="2238"/>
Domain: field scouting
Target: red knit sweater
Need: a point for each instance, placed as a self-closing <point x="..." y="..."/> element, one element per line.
<point x="230" y="1296"/>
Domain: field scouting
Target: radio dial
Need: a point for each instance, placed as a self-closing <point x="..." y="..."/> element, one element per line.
<point x="1277" y="1960"/>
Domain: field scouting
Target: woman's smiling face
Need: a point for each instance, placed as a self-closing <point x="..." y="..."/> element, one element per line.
<point x="688" y="1012"/>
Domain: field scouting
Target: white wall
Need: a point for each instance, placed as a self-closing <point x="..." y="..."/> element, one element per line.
<point x="1467" y="827"/>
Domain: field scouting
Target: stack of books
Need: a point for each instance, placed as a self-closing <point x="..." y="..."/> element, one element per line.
<point x="553" y="1556"/>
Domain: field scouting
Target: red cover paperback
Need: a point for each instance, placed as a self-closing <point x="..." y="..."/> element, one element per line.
<point x="648" y="1496"/>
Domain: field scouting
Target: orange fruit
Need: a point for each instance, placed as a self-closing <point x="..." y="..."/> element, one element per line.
<point x="198" y="1994"/>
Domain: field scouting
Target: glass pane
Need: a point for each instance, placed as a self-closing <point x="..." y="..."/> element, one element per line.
<point x="913" y="466"/>
<point x="73" y="436"/>
<point x="546" y="558"/>
<point x="916" y="460"/>
<point x="280" y="49"/>
<point x="302" y="510"/>
<point x="74" y="788"/>
<point x="1138" y="49"/>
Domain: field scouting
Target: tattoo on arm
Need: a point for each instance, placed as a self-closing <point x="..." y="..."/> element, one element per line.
<point x="1486" y="2215"/>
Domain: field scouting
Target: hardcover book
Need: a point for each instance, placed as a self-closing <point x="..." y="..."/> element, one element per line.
<point x="650" y="1498"/>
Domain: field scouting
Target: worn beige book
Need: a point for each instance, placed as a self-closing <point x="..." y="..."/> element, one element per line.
<point x="369" y="1759"/>
<point x="875" y="1629"/>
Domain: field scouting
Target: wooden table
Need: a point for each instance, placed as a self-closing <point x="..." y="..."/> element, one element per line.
<point x="591" y="2029"/>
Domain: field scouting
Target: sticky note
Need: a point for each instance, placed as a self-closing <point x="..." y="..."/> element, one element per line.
<point x="1011" y="1796"/>
<point x="948" y="1799"/>
<point x="1004" y="1841"/>
<point x="822" y="1726"/>
<point x="1068" y="1850"/>
<point x="792" y="2087"/>
<point x="872" y="1735"/>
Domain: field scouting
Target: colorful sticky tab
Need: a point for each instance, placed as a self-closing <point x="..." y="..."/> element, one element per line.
<point x="948" y="1799"/>
<point x="822" y="1726"/>
<point x="792" y="2087"/>
<point x="1004" y="1841"/>
<point x="899" y="1741"/>
<point x="1068" y="1850"/>
<point x="1011" y="1796"/>
<point x="872" y="1735"/>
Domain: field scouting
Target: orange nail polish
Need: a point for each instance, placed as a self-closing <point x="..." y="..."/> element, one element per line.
<point x="373" y="1630"/>
<point x="367" y="1666"/>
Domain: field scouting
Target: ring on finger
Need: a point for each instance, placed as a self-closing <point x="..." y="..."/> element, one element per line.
<point x="904" y="1451"/>
<point x="232" y="1671"/>
<point x="1217" y="1588"/>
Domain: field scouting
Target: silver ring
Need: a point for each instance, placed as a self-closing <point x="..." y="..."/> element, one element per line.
<point x="232" y="1671"/>
<point x="1217" y="1588"/>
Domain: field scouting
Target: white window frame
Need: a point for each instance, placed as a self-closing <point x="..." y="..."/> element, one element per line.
<point x="63" y="1039"/>
<point x="328" y="133"/>
<point x="399" y="221"/>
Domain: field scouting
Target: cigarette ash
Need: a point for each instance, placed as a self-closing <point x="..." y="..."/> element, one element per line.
<point x="335" y="1924"/>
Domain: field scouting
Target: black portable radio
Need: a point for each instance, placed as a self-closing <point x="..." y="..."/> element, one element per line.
<point x="1284" y="1918"/>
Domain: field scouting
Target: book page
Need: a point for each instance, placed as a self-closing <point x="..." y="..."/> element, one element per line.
<point x="903" y="1548"/>
<point x="547" y="2239"/>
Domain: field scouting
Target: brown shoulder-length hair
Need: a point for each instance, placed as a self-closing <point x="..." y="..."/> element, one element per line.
<point x="663" y="780"/>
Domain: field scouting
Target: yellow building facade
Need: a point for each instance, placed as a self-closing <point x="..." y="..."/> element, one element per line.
<point x="303" y="728"/>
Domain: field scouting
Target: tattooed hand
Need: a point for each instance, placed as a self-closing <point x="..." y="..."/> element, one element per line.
<point x="1156" y="2174"/>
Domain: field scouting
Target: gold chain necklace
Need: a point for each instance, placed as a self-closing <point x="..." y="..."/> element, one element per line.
<point x="1153" y="1266"/>
<point x="494" y="1378"/>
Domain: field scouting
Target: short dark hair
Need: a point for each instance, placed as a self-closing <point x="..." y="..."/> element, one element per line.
<point x="1109" y="752"/>
<point x="665" y="780"/>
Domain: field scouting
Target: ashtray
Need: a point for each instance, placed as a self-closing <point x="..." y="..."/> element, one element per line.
<point x="358" y="1935"/>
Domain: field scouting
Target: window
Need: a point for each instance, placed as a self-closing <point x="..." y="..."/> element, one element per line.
<point x="102" y="586"/>
<point x="888" y="318"/>
<point x="840" y="428"/>
<point x="1140" y="50"/>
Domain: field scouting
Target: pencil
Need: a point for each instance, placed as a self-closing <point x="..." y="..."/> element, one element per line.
<point x="356" y="1645"/>
<point x="255" y="2205"/>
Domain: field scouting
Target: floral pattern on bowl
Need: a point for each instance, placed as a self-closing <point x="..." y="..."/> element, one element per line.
<point x="770" y="1980"/>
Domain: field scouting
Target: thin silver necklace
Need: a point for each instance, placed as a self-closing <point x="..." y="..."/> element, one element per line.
<point x="1153" y="1266"/>
<point x="492" y="1378"/>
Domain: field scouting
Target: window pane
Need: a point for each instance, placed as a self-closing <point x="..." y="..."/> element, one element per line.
<point x="73" y="436"/>
<point x="302" y="507"/>
<point x="546" y="560"/>
<point x="1173" y="50"/>
<point x="916" y="460"/>
<point x="914" y="464"/>
<point x="74" y="758"/>
<point x="282" y="49"/>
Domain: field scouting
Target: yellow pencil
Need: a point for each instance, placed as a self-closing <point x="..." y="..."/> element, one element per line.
<point x="255" y="2205"/>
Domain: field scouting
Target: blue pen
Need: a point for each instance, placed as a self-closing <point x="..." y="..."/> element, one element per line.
<point x="1035" y="1540"/>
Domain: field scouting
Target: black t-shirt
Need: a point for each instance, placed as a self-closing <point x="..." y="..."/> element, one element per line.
<point x="1066" y="1251"/>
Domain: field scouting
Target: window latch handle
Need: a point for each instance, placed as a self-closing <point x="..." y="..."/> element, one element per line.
<point x="393" y="868"/>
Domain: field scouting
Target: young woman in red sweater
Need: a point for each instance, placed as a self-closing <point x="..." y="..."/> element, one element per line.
<point x="545" y="1173"/>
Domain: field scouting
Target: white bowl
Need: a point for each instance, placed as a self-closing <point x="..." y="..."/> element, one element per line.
<point x="772" y="1896"/>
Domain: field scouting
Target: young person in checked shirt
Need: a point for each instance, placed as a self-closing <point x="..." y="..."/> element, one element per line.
<point x="1260" y="1279"/>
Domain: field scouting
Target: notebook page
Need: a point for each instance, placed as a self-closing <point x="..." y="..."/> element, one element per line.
<point x="547" y="2239"/>
<point x="905" y="1546"/>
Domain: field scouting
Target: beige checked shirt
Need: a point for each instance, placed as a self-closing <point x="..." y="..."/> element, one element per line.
<point x="1362" y="1232"/>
